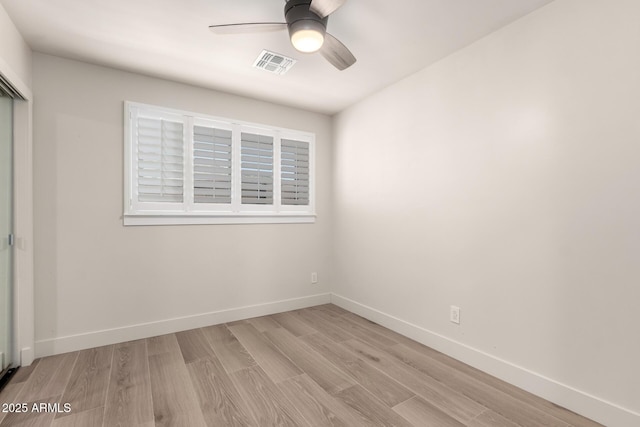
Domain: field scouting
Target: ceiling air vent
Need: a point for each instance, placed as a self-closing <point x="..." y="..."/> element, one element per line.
<point x="274" y="62"/>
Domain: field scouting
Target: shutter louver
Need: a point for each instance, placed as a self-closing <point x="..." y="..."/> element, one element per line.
<point x="211" y="165"/>
<point x="257" y="169"/>
<point x="160" y="157"/>
<point x="294" y="172"/>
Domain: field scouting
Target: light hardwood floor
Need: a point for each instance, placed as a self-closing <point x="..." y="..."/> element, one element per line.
<point x="320" y="366"/>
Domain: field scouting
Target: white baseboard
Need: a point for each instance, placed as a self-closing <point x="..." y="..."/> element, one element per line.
<point x="568" y="397"/>
<point x="26" y="356"/>
<point x="145" y="330"/>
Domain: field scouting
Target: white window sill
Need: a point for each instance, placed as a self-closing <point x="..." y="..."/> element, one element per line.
<point x="155" y="219"/>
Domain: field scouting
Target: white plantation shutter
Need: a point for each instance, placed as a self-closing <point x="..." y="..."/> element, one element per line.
<point x="211" y="165"/>
<point x="294" y="168"/>
<point x="160" y="160"/>
<point x="187" y="168"/>
<point x="256" y="169"/>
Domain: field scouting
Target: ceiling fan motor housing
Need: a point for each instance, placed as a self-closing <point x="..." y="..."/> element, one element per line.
<point x="299" y="17"/>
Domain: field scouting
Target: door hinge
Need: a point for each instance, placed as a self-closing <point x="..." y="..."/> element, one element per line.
<point x="11" y="239"/>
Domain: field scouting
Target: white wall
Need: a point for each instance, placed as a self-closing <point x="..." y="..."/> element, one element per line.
<point x="98" y="281"/>
<point x="15" y="54"/>
<point x="505" y="179"/>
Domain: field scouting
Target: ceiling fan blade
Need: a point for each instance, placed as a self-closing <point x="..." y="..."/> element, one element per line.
<point x="248" y="27"/>
<point x="324" y="8"/>
<point x="337" y="53"/>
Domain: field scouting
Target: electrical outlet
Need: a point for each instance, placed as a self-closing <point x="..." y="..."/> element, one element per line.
<point x="454" y="314"/>
<point x="314" y="278"/>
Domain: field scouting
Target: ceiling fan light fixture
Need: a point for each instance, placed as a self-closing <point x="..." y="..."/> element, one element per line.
<point x="307" y="41"/>
<point x="307" y="35"/>
<point x="306" y="21"/>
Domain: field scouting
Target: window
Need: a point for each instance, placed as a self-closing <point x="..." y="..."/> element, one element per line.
<point x="186" y="168"/>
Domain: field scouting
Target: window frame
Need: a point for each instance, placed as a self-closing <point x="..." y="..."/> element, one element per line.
<point x="189" y="212"/>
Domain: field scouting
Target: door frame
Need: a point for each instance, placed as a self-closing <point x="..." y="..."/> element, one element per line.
<point x="23" y="266"/>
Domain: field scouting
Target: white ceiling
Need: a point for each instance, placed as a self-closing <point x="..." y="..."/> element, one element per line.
<point x="171" y="39"/>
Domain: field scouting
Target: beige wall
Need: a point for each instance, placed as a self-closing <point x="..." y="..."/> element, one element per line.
<point x="92" y="273"/>
<point x="505" y="180"/>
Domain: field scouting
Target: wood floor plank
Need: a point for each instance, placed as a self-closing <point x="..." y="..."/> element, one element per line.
<point x="237" y="322"/>
<point x="264" y="400"/>
<point x="420" y="412"/>
<point x="24" y="372"/>
<point x="87" y="387"/>
<point x="90" y="418"/>
<point x="447" y="400"/>
<point x="175" y="402"/>
<point x="328" y="310"/>
<point x="194" y="345"/>
<point x="323" y="372"/>
<point x="369" y="408"/>
<point x="534" y="401"/>
<point x="293" y="323"/>
<point x="380" y="385"/>
<point x="276" y="365"/>
<point x="523" y="396"/>
<point x="228" y="349"/>
<point x="317" y="406"/>
<point x="49" y="378"/>
<point x="128" y="400"/>
<point x="32" y="418"/>
<point x="324" y="326"/>
<point x="358" y="331"/>
<point x="564" y="414"/>
<point x="499" y="402"/>
<point x="163" y="344"/>
<point x="379" y="329"/>
<point x="491" y="419"/>
<point x="264" y="323"/>
<point x="9" y="394"/>
<point x="334" y="308"/>
<point x="219" y="400"/>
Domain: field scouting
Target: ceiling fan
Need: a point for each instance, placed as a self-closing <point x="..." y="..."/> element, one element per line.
<point x="306" y="21"/>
